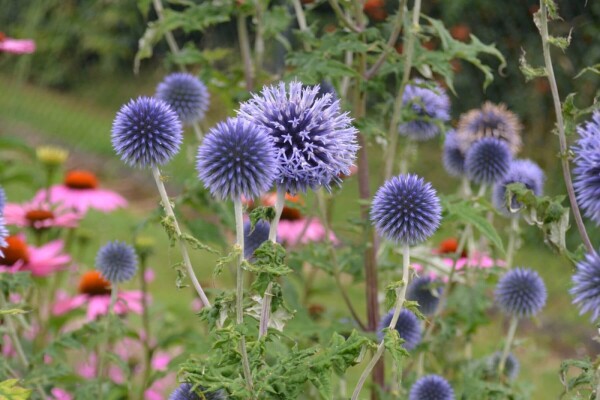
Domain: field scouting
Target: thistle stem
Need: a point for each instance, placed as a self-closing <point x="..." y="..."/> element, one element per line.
<point x="239" y="292"/>
<point x="562" y="139"/>
<point x="145" y="324"/>
<point x="242" y="30"/>
<point x="514" y="322"/>
<point x="400" y="296"/>
<point x="102" y="356"/>
<point x="513" y="236"/>
<point x="166" y="203"/>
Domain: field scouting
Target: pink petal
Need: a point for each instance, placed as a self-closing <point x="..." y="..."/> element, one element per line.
<point x="16" y="46"/>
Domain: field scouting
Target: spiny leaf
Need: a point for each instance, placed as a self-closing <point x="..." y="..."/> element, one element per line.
<point x="528" y="71"/>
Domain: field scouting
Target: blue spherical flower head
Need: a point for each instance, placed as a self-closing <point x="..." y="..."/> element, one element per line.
<point x="146" y="132"/>
<point x="511" y="365"/>
<point x="406" y="210"/>
<point x="237" y="158"/>
<point x="431" y="387"/>
<point x="185" y="392"/>
<point x="521" y="293"/>
<point x="521" y="171"/>
<point x="425" y="291"/>
<point x="586" y="285"/>
<point x="408" y="327"/>
<point x="315" y="141"/>
<point x="186" y="94"/>
<point x="587" y="168"/>
<point x="117" y="262"/>
<point x="253" y="238"/>
<point x="487" y="161"/>
<point x="431" y="108"/>
<point x="453" y="157"/>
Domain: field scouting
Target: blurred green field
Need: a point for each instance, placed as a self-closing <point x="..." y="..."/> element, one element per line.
<point x="80" y="121"/>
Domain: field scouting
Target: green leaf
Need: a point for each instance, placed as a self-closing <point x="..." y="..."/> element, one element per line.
<point x="528" y="71"/>
<point x="594" y="69"/>
<point x="560" y="42"/>
<point x="196" y="244"/>
<point x="393" y="345"/>
<point x="10" y="391"/>
<point x="13" y="311"/>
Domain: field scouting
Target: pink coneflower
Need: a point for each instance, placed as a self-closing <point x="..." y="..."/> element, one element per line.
<point x="40" y="215"/>
<point x="16" y="46"/>
<point x="60" y="394"/>
<point x="80" y="191"/>
<point x="40" y="261"/>
<point x="94" y="291"/>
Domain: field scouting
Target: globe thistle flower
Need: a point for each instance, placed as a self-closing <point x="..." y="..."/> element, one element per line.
<point x="253" y="238"/>
<point x="520" y="171"/>
<point x="586" y="285"/>
<point x="487" y="161"/>
<point x="587" y="168"/>
<point x="117" y="262"/>
<point x="237" y="158"/>
<point x="453" y="157"/>
<point x="186" y="94"/>
<point x="431" y="107"/>
<point x="406" y="209"/>
<point x="431" y="387"/>
<point x="511" y="365"/>
<point x="424" y="290"/>
<point x="146" y="132"/>
<point x="491" y="120"/>
<point x="315" y="141"/>
<point x="185" y="392"/>
<point x="408" y="327"/>
<point x="521" y="293"/>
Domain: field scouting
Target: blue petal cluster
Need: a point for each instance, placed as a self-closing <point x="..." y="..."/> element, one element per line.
<point x="487" y="160"/>
<point x="425" y="291"/>
<point x="117" y="262"/>
<point x="253" y="238"/>
<point x="587" y="168"/>
<point x="315" y="141"/>
<point x="408" y="327"/>
<point x="406" y="209"/>
<point x="511" y="365"/>
<point x="586" y="285"/>
<point x="453" y="157"/>
<point x="2" y="200"/>
<point x="521" y="171"/>
<point x="146" y="132"/>
<point x="431" y="108"/>
<point x="237" y="158"/>
<point x="184" y="392"/>
<point x="186" y="94"/>
<point x="431" y="387"/>
<point x="521" y="293"/>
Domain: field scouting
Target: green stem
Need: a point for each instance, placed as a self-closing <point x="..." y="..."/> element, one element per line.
<point x="166" y="203"/>
<point x="239" y="292"/>
<point x="244" y="41"/>
<point x="301" y="18"/>
<point x="102" y="355"/>
<point x="514" y="322"/>
<point x="513" y="236"/>
<point x="259" y="39"/>
<point x="400" y="296"/>
<point x="145" y="324"/>
<point x="343" y="18"/>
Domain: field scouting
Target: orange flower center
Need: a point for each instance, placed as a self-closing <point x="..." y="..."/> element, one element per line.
<point x="449" y="246"/>
<point x="290" y="213"/>
<point x="34" y="216"/>
<point x="15" y="251"/>
<point x="2" y="37"/>
<point x="93" y="284"/>
<point x="79" y="179"/>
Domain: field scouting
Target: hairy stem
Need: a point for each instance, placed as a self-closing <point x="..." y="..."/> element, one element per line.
<point x="514" y="322"/>
<point x="242" y="30"/>
<point x="513" y="236"/>
<point x="166" y="203"/>
<point x="561" y="128"/>
<point x="239" y="291"/>
<point x="400" y="296"/>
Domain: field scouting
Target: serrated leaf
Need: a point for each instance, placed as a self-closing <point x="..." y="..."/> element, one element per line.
<point x="13" y="311"/>
<point x="10" y="391"/>
<point x="528" y="71"/>
<point x="560" y="42"/>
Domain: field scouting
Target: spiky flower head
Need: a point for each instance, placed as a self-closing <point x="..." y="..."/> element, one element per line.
<point x="425" y="291"/>
<point x="431" y="387"/>
<point x="511" y="365"/>
<point x="587" y="168"/>
<point x="185" y="392"/>
<point x="406" y="209"/>
<point x="521" y="171"/>
<point x="186" y="94"/>
<point x="315" y="141"/>
<point x="453" y="157"/>
<point x="408" y="327"/>
<point x="146" y="132"/>
<point x="586" y="285"/>
<point x="237" y="158"/>
<point x="117" y="262"/>
<point x="487" y="161"/>
<point x="521" y="293"/>
<point x="491" y="120"/>
<point x="431" y="108"/>
<point x="253" y="238"/>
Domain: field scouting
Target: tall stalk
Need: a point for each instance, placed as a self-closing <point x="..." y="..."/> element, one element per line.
<point x="244" y="41"/>
<point x="514" y="322"/>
